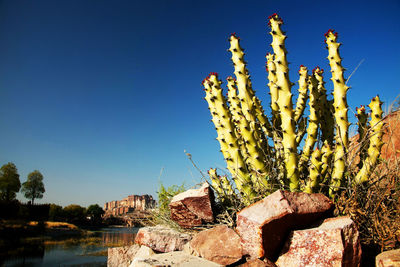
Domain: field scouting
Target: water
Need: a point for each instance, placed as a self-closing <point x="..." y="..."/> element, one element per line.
<point x="69" y="252"/>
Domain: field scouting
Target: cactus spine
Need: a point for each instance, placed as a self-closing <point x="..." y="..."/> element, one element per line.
<point x="376" y="143"/>
<point x="284" y="85"/>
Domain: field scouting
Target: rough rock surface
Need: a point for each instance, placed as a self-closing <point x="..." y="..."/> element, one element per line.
<point x="121" y="256"/>
<point x="193" y="207"/>
<point x="161" y="239"/>
<point x="264" y="225"/>
<point x="258" y="263"/>
<point x="220" y="244"/>
<point x="334" y="243"/>
<point x="389" y="258"/>
<point x="143" y="253"/>
<point x="176" y="258"/>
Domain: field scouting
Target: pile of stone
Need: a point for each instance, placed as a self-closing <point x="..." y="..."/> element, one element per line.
<point x="284" y="229"/>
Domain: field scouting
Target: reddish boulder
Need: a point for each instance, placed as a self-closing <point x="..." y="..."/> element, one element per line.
<point x="264" y="225"/>
<point x="389" y="258"/>
<point x="161" y="239"/>
<point x="193" y="207"/>
<point x="220" y="244"/>
<point x="334" y="243"/>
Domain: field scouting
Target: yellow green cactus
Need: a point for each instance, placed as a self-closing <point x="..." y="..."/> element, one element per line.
<point x="303" y="96"/>
<point x="221" y="185"/>
<point x="324" y="106"/>
<point x="314" y="179"/>
<point x="375" y="139"/>
<point x="363" y="141"/>
<point x="271" y="69"/>
<point x="227" y="137"/>
<point x="284" y="101"/>
<point x="243" y="128"/>
<point x="340" y="106"/>
<point x="313" y="120"/>
<point x="255" y="155"/>
<point x="326" y="158"/>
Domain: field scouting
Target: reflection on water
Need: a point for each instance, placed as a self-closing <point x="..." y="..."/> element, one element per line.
<point x="68" y="252"/>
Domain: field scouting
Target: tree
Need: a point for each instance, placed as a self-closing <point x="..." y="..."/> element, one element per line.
<point x="9" y="182"/>
<point x="74" y="214"/>
<point x="95" y="212"/>
<point x="33" y="188"/>
<point x="56" y="213"/>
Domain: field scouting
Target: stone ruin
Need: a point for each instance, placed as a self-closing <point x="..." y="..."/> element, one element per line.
<point x="129" y="204"/>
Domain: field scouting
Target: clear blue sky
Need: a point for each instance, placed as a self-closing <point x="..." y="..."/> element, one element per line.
<point x="101" y="95"/>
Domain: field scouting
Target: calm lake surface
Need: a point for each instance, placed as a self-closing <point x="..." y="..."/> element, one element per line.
<point x="73" y="252"/>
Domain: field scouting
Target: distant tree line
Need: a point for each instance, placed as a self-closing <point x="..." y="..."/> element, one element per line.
<point x="33" y="188"/>
<point x="76" y="214"/>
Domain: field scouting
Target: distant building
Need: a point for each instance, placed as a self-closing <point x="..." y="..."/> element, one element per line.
<point x="129" y="204"/>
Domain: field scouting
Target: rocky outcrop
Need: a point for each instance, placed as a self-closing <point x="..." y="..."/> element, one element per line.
<point x="220" y="244"/>
<point x="193" y="207"/>
<point x="290" y="225"/>
<point x="334" y="243"/>
<point x="129" y="204"/>
<point x="264" y="225"/>
<point x="161" y="239"/>
<point x="121" y="256"/>
<point x="389" y="258"/>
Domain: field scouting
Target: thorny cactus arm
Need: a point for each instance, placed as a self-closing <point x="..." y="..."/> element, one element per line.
<point x="285" y="102"/>
<point x="276" y="122"/>
<point x="363" y="141"/>
<point x="273" y="89"/>
<point x="376" y="143"/>
<point x="245" y="92"/>
<point x="340" y="106"/>
<point x="237" y="115"/>
<point x="255" y="156"/>
<point x="326" y="161"/>
<point x="221" y="185"/>
<point x="326" y="119"/>
<point x="229" y="140"/>
<point x="262" y="118"/>
<point x="303" y="96"/>
<point x="313" y="120"/>
<point x="314" y="179"/>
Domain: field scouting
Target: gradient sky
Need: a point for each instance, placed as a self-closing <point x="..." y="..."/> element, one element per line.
<point x="100" y="96"/>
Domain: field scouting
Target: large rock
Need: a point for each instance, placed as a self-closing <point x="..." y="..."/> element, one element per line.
<point x="176" y="258"/>
<point x="334" y="243"/>
<point x="389" y="258"/>
<point x="142" y="254"/>
<point x="193" y="207"/>
<point x="161" y="239"/>
<point x="121" y="256"/>
<point x="264" y="225"/>
<point x="219" y="244"/>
